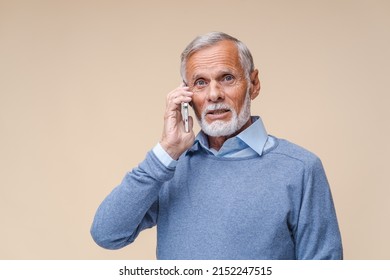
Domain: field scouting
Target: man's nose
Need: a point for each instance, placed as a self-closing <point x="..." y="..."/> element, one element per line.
<point x="215" y="92"/>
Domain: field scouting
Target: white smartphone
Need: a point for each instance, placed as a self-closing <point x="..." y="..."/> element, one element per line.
<point x="184" y="113"/>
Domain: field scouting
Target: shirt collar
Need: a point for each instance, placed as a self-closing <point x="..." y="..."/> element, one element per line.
<point x="255" y="136"/>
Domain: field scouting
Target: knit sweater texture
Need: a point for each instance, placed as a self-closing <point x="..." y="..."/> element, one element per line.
<point x="275" y="206"/>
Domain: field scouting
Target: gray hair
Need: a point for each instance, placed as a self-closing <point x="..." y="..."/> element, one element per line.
<point x="211" y="39"/>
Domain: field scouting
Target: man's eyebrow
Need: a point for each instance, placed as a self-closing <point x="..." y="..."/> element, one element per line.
<point x="225" y="72"/>
<point x="196" y="76"/>
<point x="220" y="73"/>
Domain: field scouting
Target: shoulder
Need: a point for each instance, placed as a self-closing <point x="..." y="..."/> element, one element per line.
<point x="288" y="151"/>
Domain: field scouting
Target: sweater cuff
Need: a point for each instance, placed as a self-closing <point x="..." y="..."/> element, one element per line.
<point x="164" y="157"/>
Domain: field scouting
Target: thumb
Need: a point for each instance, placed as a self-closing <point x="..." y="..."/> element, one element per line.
<point x="190" y="123"/>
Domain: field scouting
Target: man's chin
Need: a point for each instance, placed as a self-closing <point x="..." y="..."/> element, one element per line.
<point x="218" y="128"/>
<point x="216" y="123"/>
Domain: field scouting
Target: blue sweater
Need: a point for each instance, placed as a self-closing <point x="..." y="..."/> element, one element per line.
<point x="274" y="206"/>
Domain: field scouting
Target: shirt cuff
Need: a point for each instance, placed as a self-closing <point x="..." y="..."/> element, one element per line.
<point x="164" y="157"/>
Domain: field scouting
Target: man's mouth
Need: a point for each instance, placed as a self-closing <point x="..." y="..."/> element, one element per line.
<point x="218" y="112"/>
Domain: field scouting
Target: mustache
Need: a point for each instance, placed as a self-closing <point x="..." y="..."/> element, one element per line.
<point x="214" y="107"/>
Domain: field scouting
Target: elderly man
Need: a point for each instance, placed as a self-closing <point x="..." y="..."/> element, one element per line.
<point x="231" y="192"/>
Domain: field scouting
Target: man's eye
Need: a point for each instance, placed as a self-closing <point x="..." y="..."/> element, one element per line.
<point x="228" y="78"/>
<point x="200" y="83"/>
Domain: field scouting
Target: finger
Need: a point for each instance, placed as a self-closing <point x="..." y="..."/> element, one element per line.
<point x="182" y="99"/>
<point x="179" y="89"/>
<point x="174" y="104"/>
<point x="174" y="100"/>
<point x="173" y="95"/>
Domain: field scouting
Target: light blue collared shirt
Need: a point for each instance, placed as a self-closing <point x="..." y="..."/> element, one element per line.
<point x="253" y="140"/>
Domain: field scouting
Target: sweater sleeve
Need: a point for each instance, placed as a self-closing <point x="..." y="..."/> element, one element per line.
<point x="317" y="235"/>
<point x="132" y="206"/>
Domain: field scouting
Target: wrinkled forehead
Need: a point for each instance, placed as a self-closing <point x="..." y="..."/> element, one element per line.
<point x="222" y="56"/>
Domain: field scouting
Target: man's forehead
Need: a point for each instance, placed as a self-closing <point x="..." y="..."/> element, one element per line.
<point x="219" y="58"/>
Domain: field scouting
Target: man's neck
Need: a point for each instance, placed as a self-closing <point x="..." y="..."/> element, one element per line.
<point x="217" y="142"/>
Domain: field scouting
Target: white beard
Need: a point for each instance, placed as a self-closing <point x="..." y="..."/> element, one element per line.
<point x="225" y="128"/>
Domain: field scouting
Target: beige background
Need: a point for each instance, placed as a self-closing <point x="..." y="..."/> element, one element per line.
<point x="82" y="94"/>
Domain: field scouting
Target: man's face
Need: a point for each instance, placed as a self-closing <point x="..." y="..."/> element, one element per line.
<point x="222" y="94"/>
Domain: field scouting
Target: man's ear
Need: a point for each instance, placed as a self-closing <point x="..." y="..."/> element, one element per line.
<point x="255" y="84"/>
